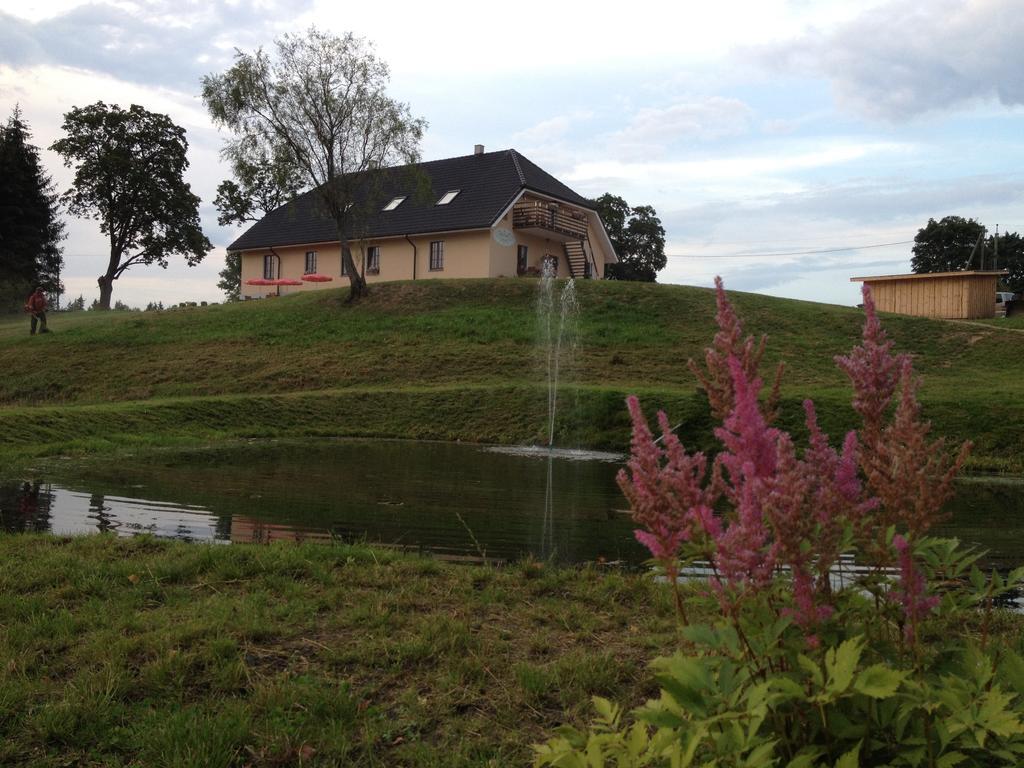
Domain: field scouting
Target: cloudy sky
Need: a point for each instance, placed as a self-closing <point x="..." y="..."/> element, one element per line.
<point x="786" y="144"/>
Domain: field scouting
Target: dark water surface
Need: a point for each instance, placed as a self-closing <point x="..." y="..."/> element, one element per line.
<point x="457" y="501"/>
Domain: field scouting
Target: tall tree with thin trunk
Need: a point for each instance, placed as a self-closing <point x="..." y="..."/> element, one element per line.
<point x="129" y="167"/>
<point x="320" y="106"/>
<point x="30" y="226"/>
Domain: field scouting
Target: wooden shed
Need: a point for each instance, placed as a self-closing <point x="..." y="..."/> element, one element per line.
<point x="955" y="295"/>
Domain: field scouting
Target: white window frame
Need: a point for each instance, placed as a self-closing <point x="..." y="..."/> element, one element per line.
<point x="395" y="202"/>
<point x="373" y="260"/>
<point x="308" y="270"/>
<point x="448" y="196"/>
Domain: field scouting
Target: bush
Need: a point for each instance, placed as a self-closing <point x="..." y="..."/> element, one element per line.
<point x="848" y="636"/>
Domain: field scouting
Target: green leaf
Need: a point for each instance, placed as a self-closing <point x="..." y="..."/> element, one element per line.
<point x="851" y="759"/>
<point x="607" y="711"/>
<point x="879" y="681"/>
<point x="996" y="716"/>
<point x="841" y="663"/>
<point x="787" y="689"/>
<point x="703" y="634"/>
<point x="950" y="759"/>
<point x="762" y="755"/>
<point x="637" y="740"/>
<point x="804" y="759"/>
<point x="811" y="667"/>
<point x="977" y="578"/>
<point x="1014" y="578"/>
<point x="1011" y="670"/>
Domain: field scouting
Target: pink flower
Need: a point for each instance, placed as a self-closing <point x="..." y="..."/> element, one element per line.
<point x="790" y="512"/>
<point x="911" y="590"/>
<point x="872" y="368"/>
<point x="664" y="489"/>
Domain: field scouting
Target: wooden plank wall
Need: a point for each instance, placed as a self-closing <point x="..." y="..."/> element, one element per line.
<point x="965" y="297"/>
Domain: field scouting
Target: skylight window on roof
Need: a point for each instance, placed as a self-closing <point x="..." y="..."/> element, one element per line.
<point x="395" y="202"/>
<point x="448" y="196"/>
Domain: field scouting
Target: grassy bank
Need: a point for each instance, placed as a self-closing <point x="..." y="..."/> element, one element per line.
<point x="121" y="652"/>
<point x="457" y="360"/>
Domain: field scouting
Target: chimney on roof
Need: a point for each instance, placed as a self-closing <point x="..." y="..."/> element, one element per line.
<point x="478" y="149"/>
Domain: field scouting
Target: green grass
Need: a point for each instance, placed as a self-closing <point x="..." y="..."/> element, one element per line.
<point x="147" y="652"/>
<point x="117" y="652"/>
<point x="457" y="359"/>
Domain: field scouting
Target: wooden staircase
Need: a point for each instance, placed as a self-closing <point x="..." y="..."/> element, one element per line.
<point x="576" y="256"/>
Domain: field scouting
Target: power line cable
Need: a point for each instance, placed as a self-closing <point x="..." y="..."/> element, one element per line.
<point x="785" y="253"/>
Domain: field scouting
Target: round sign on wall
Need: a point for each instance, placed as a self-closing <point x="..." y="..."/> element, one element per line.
<point x="504" y="237"/>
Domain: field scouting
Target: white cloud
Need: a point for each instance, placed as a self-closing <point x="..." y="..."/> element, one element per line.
<point x="710" y="118"/>
<point x="745" y="168"/>
<point x="906" y="58"/>
<point x="546" y="131"/>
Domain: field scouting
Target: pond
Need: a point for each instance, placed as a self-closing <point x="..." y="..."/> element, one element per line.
<point x="455" y="501"/>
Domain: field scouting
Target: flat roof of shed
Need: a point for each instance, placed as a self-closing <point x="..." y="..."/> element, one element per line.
<point x="922" y="275"/>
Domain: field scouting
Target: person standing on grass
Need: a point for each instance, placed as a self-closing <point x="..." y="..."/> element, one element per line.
<point x="36" y="306"/>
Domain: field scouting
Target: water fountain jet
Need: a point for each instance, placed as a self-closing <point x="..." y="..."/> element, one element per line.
<point x="557" y="320"/>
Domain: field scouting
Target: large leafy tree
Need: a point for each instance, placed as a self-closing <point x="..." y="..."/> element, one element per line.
<point x="261" y="184"/>
<point x="946" y="245"/>
<point x="637" y="236"/>
<point x="1008" y="254"/>
<point x="319" y="107"/>
<point x="30" y="227"/>
<point x="129" y="166"/>
<point x="955" y="243"/>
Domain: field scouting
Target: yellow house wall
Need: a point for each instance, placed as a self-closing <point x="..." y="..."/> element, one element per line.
<point x="466" y="254"/>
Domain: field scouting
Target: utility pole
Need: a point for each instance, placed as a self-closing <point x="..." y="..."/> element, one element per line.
<point x="974" y="250"/>
<point x="995" y="249"/>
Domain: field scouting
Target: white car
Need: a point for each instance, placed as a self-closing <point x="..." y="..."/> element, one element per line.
<point x="1004" y="297"/>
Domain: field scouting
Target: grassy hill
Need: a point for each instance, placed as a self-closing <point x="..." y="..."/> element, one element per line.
<point x="457" y="359"/>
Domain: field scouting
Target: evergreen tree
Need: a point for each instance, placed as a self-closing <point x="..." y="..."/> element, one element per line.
<point x="30" y="229"/>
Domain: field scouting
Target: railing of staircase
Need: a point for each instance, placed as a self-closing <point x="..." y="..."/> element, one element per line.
<point x="543" y="216"/>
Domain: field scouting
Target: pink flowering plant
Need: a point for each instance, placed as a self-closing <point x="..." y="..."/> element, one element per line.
<point x="847" y="635"/>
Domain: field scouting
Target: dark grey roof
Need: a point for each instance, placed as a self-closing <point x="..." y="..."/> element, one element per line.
<point x="488" y="183"/>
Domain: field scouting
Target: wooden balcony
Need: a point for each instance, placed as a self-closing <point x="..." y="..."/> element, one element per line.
<point x="552" y="222"/>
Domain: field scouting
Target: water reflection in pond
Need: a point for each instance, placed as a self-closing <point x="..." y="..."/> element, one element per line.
<point x="456" y="501"/>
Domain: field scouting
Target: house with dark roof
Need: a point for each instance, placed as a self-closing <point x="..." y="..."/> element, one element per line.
<point x="489" y="214"/>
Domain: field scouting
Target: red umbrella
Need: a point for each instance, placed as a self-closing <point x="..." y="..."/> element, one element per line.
<point x="259" y="281"/>
<point x="317" y="278"/>
<point x="284" y="281"/>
